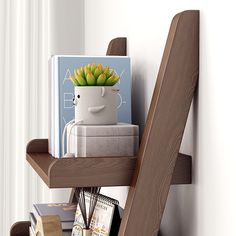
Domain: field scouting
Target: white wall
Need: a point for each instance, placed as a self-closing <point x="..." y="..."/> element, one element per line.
<point x="208" y="206"/>
<point x="66" y="31"/>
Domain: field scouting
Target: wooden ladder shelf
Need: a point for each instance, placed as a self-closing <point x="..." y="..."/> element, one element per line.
<point x="158" y="163"/>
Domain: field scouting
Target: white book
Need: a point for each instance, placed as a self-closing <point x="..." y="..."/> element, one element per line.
<point x="31" y="231"/>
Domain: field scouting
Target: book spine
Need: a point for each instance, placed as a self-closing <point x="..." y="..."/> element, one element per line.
<point x="33" y="220"/>
<point x="50" y="105"/>
<point x="35" y="212"/>
<point x="56" y="108"/>
<point x="31" y="231"/>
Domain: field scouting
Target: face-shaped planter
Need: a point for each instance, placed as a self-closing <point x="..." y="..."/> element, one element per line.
<point x="95" y="105"/>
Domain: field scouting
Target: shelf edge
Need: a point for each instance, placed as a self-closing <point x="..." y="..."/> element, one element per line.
<point x="108" y="171"/>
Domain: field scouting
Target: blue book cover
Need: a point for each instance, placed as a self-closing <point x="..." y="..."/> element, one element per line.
<point x="62" y="92"/>
<point x="66" y="211"/>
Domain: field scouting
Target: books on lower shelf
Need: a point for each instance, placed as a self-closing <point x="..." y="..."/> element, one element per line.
<point x="61" y="91"/>
<point x="106" y="217"/>
<point x="105" y="221"/>
<point x="65" y="211"/>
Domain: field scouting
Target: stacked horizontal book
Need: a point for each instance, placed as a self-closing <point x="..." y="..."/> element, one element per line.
<point x="65" y="211"/>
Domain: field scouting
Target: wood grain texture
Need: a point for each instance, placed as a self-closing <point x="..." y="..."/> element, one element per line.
<point x="117" y="47"/>
<point x="93" y="171"/>
<point x="182" y="174"/>
<point x="83" y="172"/>
<point x="41" y="163"/>
<point x="164" y="128"/>
<point x="20" y="228"/>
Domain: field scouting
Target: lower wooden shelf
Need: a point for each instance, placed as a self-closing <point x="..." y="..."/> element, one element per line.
<point x="92" y="171"/>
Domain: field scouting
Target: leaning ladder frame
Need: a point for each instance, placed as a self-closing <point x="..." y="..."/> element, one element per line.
<point x="171" y="101"/>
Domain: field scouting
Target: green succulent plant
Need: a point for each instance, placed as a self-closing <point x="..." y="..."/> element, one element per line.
<point x="94" y="75"/>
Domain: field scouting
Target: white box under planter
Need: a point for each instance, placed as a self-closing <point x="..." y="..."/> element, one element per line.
<point x="103" y="140"/>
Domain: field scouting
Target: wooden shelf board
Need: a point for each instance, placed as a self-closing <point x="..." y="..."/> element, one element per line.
<point x="92" y="171"/>
<point x="73" y="172"/>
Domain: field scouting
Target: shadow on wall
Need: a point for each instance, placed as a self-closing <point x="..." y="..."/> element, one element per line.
<point x="138" y="97"/>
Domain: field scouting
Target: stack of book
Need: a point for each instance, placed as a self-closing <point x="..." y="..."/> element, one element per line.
<point x="105" y="221"/>
<point x="65" y="211"/>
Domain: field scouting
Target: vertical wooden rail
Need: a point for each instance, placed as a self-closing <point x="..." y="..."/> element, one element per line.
<point x="117" y="47"/>
<point x="164" y="128"/>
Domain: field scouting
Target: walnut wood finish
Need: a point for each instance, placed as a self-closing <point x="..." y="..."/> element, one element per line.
<point x="117" y="47"/>
<point x="92" y="171"/>
<point x="20" y="228"/>
<point x="164" y="128"/>
<point x="83" y="172"/>
<point x="182" y="173"/>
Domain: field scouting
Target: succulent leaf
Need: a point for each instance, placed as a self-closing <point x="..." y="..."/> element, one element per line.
<point x="109" y="81"/>
<point x="80" y="79"/>
<point x="111" y="72"/>
<point x="116" y="79"/>
<point x="98" y="71"/>
<point x="101" y="79"/>
<point x="76" y="74"/>
<point x="74" y="81"/>
<point x="80" y="71"/>
<point x="93" y="67"/>
<point x="91" y="79"/>
<point x="86" y="71"/>
<point x="106" y="71"/>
